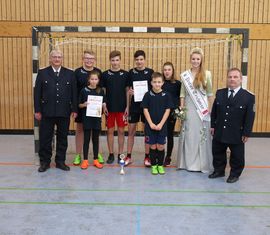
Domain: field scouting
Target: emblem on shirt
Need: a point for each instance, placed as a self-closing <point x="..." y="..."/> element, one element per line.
<point x="110" y="73"/>
<point x="145" y="72"/>
<point x="83" y="71"/>
<point x="151" y="93"/>
<point x="134" y="71"/>
<point x="121" y="73"/>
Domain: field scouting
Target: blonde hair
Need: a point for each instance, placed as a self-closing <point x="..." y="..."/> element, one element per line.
<point x="90" y="52"/>
<point x="199" y="80"/>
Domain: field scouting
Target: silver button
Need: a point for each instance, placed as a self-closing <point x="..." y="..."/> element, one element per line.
<point x="57" y="95"/>
<point x="57" y="84"/>
<point x="224" y="127"/>
<point x="57" y="101"/>
<point x="225" y="120"/>
<point x="226" y="113"/>
<point x="228" y="107"/>
<point x="57" y="89"/>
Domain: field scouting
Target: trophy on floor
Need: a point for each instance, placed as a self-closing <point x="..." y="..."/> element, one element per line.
<point x="122" y="163"/>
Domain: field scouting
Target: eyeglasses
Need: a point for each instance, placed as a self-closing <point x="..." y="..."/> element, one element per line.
<point x="89" y="58"/>
<point x="56" y="57"/>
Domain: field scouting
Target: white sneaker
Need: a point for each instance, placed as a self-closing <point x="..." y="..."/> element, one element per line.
<point x="127" y="161"/>
<point x="147" y="162"/>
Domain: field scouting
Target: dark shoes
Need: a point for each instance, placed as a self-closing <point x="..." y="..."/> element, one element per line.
<point x="110" y="159"/>
<point x="232" y="179"/>
<point x="167" y="161"/>
<point x="216" y="174"/>
<point x="62" y="166"/>
<point x="43" y="167"/>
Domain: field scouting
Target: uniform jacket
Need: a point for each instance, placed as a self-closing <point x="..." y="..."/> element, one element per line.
<point x="232" y="120"/>
<point x="55" y="96"/>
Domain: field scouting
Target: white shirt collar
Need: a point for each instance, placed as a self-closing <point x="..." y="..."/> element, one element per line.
<point x="235" y="90"/>
<point x="56" y="70"/>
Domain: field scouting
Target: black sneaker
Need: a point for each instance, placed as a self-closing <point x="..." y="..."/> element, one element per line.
<point x="167" y="161"/>
<point x="110" y="159"/>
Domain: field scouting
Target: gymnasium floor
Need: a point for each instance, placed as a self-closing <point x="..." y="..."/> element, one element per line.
<point x="103" y="202"/>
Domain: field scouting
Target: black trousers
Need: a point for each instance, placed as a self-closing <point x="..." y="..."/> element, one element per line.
<point x="237" y="157"/>
<point x="46" y="132"/>
<point x="95" y="142"/>
<point x="170" y="131"/>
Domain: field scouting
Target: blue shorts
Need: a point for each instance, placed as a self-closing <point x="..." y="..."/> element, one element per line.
<point x="155" y="139"/>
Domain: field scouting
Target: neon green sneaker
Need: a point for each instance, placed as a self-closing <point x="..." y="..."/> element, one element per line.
<point x="161" y="170"/>
<point x="100" y="158"/>
<point x="154" y="170"/>
<point x="77" y="160"/>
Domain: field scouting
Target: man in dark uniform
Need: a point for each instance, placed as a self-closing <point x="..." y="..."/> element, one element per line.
<point x="232" y="119"/>
<point x="55" y="99"/>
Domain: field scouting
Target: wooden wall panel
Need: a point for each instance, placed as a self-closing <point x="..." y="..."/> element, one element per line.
<point x="16" y="104"/>
<point x="16" y="84"/>
<point x="195" y="11"/>
<point x="258" y="83"/>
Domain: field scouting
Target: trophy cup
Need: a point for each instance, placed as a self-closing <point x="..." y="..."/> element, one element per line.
<point x="122" y="163"/>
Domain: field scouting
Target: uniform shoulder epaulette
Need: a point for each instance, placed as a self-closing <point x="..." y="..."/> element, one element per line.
<point x="249" y="92"/>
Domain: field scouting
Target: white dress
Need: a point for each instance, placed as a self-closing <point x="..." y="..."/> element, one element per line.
<point x="195" y="140"/>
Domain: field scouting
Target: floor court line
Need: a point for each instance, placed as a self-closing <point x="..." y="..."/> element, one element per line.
<point x="132" y="191"/>
<point x="132" y="204"/>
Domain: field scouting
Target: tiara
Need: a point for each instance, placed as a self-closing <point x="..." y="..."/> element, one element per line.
<point x="197" y="50"/>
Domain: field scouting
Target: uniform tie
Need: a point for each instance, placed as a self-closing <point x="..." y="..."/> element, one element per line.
<point x="56" y="73"/>
<point x="231" y="95"/>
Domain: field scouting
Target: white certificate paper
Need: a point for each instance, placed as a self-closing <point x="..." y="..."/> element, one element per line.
<point x="94" y="106"/>
<point x="140" y="88"/>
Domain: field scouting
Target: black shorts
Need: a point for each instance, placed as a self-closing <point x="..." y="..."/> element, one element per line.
<point x="78" y="119"/>
<point x="136" y="117"/>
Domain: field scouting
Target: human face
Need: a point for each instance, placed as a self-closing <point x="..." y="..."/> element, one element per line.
<point x="196" y="60"/>
<point x="89" y="60"/>
<point x="93" y="81"/>
<point x="167" y="72"/>
<point x="115" y="63"/>
<point x="140" y="62"/>
<point x="234" y="79"/>
<point x="157" y="83"/>
<point x="56" y="59"/>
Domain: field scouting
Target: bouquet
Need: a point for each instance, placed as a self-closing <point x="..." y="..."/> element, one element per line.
<point x="180" y="113"/>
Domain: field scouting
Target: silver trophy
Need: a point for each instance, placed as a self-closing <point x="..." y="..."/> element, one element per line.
<point x="122" y="163"/>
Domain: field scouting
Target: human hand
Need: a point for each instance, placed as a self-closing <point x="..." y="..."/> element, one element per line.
<point x="74" y="115"/>
<point x="38" y="116"/>
<point x="212" y="131"/>
<point x="153" y="126"/>
<point x="244" y="139"/>
<point x="131" y="92"/>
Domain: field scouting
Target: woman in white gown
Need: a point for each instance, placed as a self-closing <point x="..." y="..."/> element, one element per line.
<point x="195" y="141"/>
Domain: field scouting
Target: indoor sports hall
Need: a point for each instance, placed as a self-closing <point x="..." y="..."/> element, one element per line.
<point x="38" y="199"/>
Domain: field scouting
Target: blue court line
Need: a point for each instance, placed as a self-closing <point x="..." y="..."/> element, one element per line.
<point x="132" y="204"/>
<point x="132" y="190"/>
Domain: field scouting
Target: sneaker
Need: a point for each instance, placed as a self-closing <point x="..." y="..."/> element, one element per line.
<point x="154" y="170"/>
<point x="127" y="161"/>
<point x="100" y="158"/>
<point x="161" y="170"/>
<point x="84" y="164"/>
<point x="147" y="162"/>
<point x="110" y="159"/>
<point x="77" y="160"/>
<point x="167" y="161"/>
<point x="97" y="164"/>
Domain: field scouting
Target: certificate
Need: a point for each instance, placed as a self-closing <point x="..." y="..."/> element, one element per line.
<point x="94" y="106"/>
<point x="140" y="88"/>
